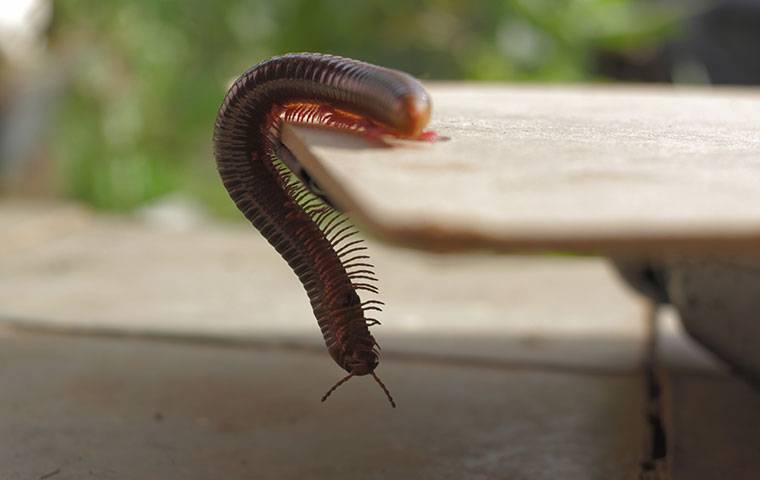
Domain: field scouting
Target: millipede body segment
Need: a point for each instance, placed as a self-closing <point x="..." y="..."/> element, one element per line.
<point x="257" y="170"/>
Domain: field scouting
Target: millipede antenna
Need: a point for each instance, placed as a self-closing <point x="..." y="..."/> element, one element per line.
<point x="385" y="389"/>
<point x="334" y="387"/>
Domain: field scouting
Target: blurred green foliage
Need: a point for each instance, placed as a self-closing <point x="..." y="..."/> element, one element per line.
<point x="145" y="77"/>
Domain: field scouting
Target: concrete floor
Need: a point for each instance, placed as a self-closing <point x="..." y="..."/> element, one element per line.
<point x="136" y="409"/>
<point x="131" y="351"/>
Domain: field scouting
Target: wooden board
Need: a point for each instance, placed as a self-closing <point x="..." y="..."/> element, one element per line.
<point x="604" y="169"/>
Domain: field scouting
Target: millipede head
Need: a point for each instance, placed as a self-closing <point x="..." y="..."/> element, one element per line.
<point x="362" y="362"/>
<point x="359" y="362"/>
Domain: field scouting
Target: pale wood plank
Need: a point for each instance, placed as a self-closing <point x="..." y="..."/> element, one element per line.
<point x="602" y="168"/>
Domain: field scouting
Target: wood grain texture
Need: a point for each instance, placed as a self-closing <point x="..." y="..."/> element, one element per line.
<point x="602" y="169"/>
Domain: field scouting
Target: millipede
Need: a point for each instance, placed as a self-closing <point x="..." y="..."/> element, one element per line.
<point x="279" y="197"/>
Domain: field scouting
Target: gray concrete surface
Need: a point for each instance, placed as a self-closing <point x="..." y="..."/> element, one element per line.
<point x="190" y="352"/>
<point x="502" y="367"/>
<point x="104" y="408"/>
<point x="74" y="269"/>
<point x="717" y="299"/>
<point x="711" y="417"/>
<point x="719" y="303"/>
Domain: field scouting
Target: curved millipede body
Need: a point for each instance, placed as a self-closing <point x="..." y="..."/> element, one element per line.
<point x="317" y="241"/>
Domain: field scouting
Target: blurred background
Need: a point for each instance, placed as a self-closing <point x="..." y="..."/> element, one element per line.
<point x="543" y="365"/>
<point x="112" y="103"/>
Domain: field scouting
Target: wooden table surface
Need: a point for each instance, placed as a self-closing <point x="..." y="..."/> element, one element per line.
<point x="600" y="169"/>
